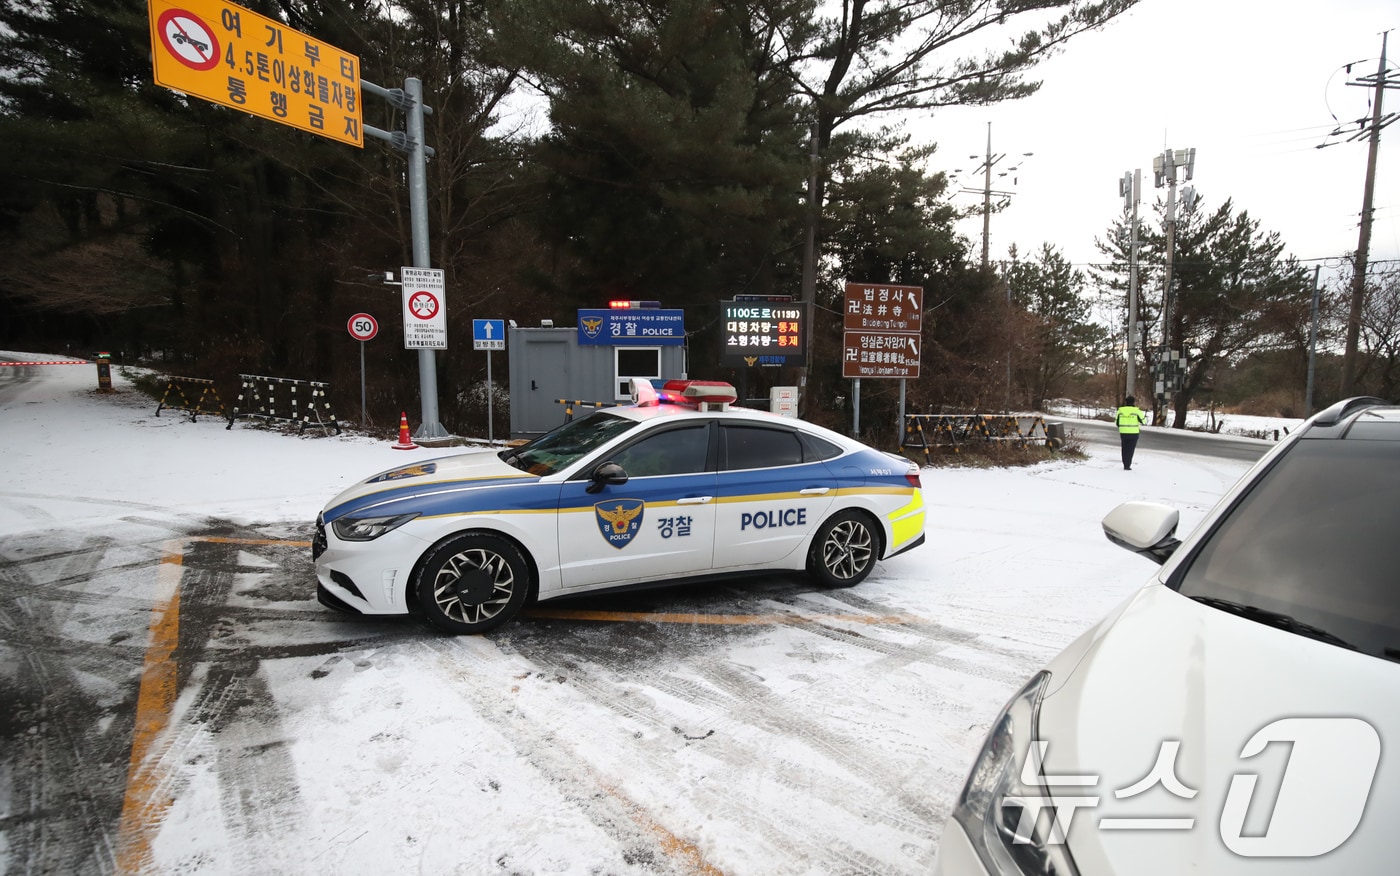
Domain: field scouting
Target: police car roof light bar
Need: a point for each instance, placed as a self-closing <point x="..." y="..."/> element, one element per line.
<point x="643" y="393"/>
<point x="705" y="394"/>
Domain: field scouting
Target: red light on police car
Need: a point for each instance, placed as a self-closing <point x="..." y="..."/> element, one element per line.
<point x="702" y="391"/>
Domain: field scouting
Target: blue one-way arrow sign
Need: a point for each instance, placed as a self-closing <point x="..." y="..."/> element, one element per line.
<point x="488" y="334"/>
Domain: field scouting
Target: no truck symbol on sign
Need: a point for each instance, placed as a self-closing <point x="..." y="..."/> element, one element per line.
<point x="188" y="39"/>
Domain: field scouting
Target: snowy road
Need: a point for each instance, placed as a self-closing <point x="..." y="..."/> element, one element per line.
<point x="177" y="702"/>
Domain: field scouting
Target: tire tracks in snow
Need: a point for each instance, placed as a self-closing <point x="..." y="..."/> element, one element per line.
<point x="743" y="720"/>
<point x="640" y="835"/>
<point x="66" y="769"/>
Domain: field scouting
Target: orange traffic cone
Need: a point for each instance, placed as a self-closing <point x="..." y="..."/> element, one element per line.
<point x="405" y="442"/>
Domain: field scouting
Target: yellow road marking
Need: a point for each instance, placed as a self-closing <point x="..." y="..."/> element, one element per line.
<point x="145" y="803"/>
<point x="216" y="539"/>
<point x="673" y="846"/>
<point x="741" y="620"/>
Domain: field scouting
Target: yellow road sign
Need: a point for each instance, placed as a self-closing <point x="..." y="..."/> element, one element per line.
<point x="236" y="57"/>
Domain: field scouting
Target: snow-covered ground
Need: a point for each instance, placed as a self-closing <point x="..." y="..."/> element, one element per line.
<point x="830" y="743"/>
<point x="1221" y="422"/>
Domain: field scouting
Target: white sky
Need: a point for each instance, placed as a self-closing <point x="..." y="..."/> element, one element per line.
<point x="1253" y="85"/>
<point x="421" y="753"/>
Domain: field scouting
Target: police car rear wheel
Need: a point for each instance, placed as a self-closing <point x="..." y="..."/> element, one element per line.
<point x="472" y="583"/>
<point x="844" y="551"/>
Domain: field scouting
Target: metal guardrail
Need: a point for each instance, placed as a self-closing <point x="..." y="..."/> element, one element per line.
<point x="927" y="432"/>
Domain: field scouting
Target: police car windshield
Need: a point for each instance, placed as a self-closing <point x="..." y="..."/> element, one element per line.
<point x="557" y="450"/>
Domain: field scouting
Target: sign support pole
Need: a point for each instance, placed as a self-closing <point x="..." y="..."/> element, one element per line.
<point x="429" y="428"/>
<point x="855" y="405"/>
<point x="490" y="399"/>
<point x="363" y="327"/>
<point x="899" y="424"/>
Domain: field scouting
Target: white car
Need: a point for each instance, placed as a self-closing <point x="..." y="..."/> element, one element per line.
<point x="1240" y="713"/>
<point x="677" y="486"/>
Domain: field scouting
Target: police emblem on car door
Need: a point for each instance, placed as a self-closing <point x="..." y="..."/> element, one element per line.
<point x="619" y="520"/>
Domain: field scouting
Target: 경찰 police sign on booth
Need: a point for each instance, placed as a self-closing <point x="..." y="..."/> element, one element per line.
<point x="621" y="328"/>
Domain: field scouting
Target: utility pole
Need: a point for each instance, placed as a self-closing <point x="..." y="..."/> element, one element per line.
<point x="1130" y="189"/>
<point x="809" y="254"/>
<point x="987" y="197"/>
<point x="1312" y="340"/>
<point x="986" y="192"/>
<point x="1363" y="246"/>
<point x="1164" y="169"/>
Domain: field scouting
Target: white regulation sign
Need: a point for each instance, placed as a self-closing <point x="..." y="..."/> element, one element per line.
<point x="424" y="309"/>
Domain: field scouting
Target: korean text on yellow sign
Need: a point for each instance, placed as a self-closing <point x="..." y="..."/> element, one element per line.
<point x="236" y="57"/>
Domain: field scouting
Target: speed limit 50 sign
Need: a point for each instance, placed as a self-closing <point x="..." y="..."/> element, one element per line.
<point x="363" y="327"/>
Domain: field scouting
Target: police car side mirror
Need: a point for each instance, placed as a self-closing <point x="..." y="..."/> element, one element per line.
<point x="606" y="474"/>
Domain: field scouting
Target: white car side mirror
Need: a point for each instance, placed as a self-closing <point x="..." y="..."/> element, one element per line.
<point x="1146" y="528"/>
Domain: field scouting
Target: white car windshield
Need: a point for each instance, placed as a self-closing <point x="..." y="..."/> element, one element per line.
<point x="1310" y="548"/>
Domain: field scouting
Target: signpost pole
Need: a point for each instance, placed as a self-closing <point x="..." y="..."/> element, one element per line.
<point x="488" y="335"/>
<point x="855" y="404"/>
<point x="429" y="428"/>
<point x="363" y="327"/>
<point x="899" y="424"/>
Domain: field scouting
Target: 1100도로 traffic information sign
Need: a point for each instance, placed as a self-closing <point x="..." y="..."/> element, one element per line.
<point x="240" y="59"/>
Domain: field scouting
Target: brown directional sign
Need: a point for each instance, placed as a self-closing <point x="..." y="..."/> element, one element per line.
<point x="233" y="56"/>
<point x="873" y="354"/>
<point x="883" y="330"/>
<point x="881" y="307"/>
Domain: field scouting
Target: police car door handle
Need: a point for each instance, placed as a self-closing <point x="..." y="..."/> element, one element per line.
<point x="694" y="500"/>
<point x="816" y="491"/>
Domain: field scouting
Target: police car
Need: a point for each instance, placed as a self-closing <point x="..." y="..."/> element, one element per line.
<point x="678" y="485"/>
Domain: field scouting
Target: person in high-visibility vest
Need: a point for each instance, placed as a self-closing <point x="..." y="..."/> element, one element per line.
<point x="1130" y="420"/>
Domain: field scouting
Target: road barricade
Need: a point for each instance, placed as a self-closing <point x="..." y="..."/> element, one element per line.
<point x="570" y="404"/>
<point x="282" y="399"/>
<point x="203" y="404"/>
<point x="926" y="433"/>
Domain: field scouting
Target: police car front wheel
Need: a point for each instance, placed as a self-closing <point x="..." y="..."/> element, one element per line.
<point x="844" y="551"/>
<point x="472" y="583"/>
